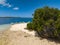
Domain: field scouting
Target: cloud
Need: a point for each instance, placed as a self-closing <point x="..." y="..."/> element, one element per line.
<point x="7" y="4"/>
<point x="16" y="8"/>
<point x="3" y="3"/>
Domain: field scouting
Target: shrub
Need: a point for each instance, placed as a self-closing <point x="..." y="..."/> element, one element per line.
<point x="46" y="22"/>
<point x="29" y="26"/>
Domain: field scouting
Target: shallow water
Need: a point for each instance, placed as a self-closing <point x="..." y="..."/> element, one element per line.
<point x="5" y="23"/>
<point x="4" y="27"/>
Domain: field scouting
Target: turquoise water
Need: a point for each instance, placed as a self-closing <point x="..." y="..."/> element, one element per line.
<point x="14" y="20"/>
<point x="5" y="23"/>
<point x="4" y="27"/>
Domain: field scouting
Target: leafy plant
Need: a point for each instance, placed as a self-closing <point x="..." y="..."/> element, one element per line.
<point x="46" y="21"/>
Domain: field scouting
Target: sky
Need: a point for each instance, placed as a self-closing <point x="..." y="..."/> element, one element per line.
<point x="24" y="8"/>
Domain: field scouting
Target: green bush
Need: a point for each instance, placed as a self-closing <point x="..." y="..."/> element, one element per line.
<point x="46" y="21"/>
<point x="29" y="26"/>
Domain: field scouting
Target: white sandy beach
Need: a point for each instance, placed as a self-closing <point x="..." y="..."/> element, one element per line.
<point x="18" y="35"/>
<point x="21" y="27"/>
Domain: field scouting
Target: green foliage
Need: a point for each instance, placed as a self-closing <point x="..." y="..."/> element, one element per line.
<point x="46" y="22"/>
<point x="29" y="26"/>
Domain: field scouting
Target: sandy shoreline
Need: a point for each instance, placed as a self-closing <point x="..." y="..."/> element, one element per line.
<point x="21" y="27"/>
<point x="17" y="35"/>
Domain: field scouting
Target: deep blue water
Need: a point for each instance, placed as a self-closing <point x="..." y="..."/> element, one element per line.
<point x="14" y="20"/>
<point x="5" y="23"/>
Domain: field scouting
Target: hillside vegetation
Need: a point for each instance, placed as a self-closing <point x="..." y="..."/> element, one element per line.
<point x="46" y="21"/>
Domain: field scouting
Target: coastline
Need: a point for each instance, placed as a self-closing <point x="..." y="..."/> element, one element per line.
<point x="18" y="35"/>
<point x="4" y="27"/>
<point x="21" y="27"/>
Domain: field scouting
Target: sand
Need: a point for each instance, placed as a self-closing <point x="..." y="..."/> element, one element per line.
<point x="21" y="27"/>
<point x="17" y="36"/>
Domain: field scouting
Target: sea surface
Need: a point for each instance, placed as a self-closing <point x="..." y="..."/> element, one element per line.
<point x="14" y="20"/>
<point x="5" y="22"/>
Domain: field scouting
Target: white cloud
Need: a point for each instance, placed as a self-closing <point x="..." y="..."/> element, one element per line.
<point x="16" y="8"/>
<point x="3" y="3"/>
<point x="7" y="4"/>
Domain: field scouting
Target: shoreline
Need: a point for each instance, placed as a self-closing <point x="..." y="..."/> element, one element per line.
<point x="7" y="26"/>
<point x="4" y="27"/>
<point x="16" y="27"/>
<point x="21" y="27"/>
<point x="18" y="35"/>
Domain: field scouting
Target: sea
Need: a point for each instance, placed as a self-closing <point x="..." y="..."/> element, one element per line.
<point x="6" y="22"/>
